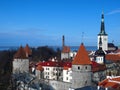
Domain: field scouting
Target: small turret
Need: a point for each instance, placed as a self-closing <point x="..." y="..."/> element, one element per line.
<point x="100" y="54"/>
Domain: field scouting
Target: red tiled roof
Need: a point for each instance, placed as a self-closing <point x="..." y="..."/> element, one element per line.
<point x="55" y="64"/>
<point x="20" y="54"/>
<point x="110" y="82"/>
<point x="28" y="50"/>
<point x="97" y="67"/>
<point x="66" y="49"/>
<point x="50" y="63"/>
<point x="81" y="57"/>
<point x="112" y="57"/>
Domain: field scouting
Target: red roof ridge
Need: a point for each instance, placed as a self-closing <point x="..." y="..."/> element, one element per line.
<point x="81" y="57"/>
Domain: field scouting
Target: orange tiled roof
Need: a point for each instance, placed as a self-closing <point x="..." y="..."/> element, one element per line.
<point x="81" y="57"/>
<point x="39" y="67"/>
<point x="66" y="49"/>
<point x="113" y="57"/>
<point x="20" y="54"/>
<point x="110" y="82"/>
<point x="28" y="50"/>
<point x="66" y="68"/>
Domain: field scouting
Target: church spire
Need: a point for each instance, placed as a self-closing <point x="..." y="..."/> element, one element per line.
<point x="102" y="30"/>
<point x="63" y="41"/>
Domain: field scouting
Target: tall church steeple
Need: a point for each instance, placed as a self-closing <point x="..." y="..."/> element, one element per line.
<point x="102" y="36"/>
<point x="102" y="29"/>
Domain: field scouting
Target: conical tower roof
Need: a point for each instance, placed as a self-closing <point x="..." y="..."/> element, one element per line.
<point x="81" y="57"/>
<point x="20" y="54"/>
<point x="28" y="50"/>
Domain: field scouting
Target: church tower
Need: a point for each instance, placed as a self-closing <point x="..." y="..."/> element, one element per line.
<point x="81" y="69"/>
<point x="103" y="36"/>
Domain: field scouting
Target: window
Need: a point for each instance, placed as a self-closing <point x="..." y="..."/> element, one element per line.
<point x="59" y="74"/>
<point x="66" y="78"/>
<point x="78" y="68"/>
<point x="86" y="67"/>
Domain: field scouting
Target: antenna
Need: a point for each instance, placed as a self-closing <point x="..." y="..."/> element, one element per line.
<point x="82" y="37"/>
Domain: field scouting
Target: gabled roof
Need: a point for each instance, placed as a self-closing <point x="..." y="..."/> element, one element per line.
<point x="81" y="57"/>
<point x="20" y="54"/>
<point x="112" y="57"/>
<point x="111" y="82"/>
<point x="66" y="49"/>
<point x="28" y="50"/>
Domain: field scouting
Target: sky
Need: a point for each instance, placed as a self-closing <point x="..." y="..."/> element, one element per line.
<point x="44" y="22"/>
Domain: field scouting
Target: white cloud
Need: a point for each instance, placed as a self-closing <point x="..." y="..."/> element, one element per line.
<point x="114" y="12"/>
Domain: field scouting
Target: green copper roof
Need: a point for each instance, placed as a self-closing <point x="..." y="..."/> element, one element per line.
<point x="102" y="29"/>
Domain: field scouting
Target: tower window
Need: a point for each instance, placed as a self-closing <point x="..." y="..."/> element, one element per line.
<point x="78" y="68"/>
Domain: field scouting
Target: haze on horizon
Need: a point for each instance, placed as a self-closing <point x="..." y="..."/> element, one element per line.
<point x="43" y="22"/>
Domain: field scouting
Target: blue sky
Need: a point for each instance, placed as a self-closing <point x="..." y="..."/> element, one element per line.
<point x="43" y="22"/>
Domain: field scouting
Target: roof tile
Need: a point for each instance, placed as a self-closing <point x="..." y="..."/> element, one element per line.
<point x="66" y="49"/>
<point x="20" y="54"/>
<point x="81" y="57"/>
